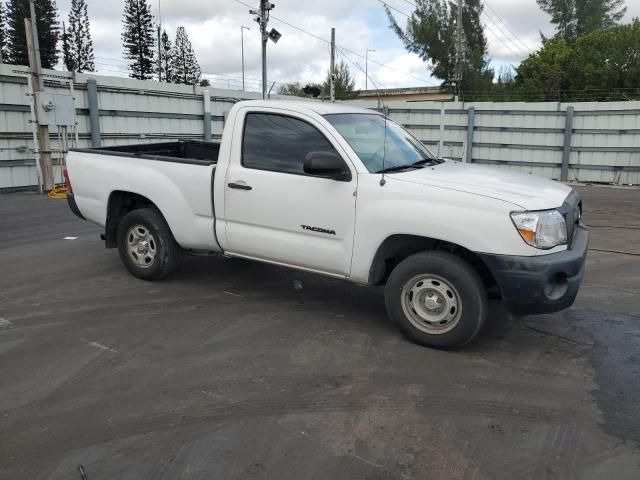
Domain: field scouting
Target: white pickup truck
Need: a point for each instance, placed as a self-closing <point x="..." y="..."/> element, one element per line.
<point x="348" y="193"/>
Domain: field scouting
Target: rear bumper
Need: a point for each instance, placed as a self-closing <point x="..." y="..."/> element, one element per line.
<point x="71" y="201"/>
<point x="542" y="284"/>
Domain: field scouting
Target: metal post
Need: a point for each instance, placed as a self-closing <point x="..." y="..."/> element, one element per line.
<point x="332" y="70"/>
<point x="242" y="29"/>
<point x="264" y="36"/>
<point x="471" y="120"/>
<point x="366" y="69"/>
<point x="94" y="113"/>
<point x="207" y="115"/>
<point x="566" y="151"/>
<point x="441" y="141"/>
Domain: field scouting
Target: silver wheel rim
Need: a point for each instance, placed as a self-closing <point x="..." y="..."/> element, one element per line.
<point x="141" y="246"/>
<point x="431" y="303"/>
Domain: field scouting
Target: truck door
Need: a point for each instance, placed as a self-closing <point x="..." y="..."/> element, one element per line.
<point x="274" y="210"/>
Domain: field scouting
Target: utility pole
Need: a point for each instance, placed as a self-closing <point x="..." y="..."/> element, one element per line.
<point x="159" y="56"/>
<point x="332" y="69"/>
<point x="262" y="17"/>
<point x="242" y="29"/>
<point x="459" y="50"/>
<point x="366" y="69"/>
<point x="265" y="6"/>
<point x="37" y="85"/>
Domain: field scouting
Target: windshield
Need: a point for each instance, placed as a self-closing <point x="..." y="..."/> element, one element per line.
<point x="366" y="135"/>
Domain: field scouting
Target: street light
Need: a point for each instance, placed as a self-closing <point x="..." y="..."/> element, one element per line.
<point x="242" y="29"/>
<point x="366" y="69"/>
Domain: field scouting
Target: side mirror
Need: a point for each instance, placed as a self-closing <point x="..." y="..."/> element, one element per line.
<point x="326" y="165"/>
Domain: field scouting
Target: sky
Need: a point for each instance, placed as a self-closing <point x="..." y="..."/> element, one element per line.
<point x="512" y="27"/>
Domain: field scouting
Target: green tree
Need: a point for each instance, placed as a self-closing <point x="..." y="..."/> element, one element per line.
<point x="345" y="84"/>
<point x="574" y="18"/>
<point x="183" y="62"/>
<point x="77" y="47"/>
<point x="431" y="34"/>
<point x="166" y="49"/>
<point x="594" y="15"/>
<point x="138" y="39"/>
<point x="542" y="75"/>
<point x="297" y="90"/>
<point x="599" y="66"/>
<point x="292" y="88"/>
<point x="48" y="32"/>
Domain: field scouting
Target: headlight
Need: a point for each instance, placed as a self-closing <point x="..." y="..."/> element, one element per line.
<point x="545" y="229"/>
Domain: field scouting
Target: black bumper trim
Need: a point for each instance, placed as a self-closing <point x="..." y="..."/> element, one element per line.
<point x="540" y="284"/>
<point x="71" y="201"/>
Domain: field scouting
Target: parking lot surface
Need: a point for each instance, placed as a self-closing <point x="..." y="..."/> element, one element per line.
<point x="230" y="370"/>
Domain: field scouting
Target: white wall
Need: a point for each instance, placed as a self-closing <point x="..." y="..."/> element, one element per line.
<point x="528" y="137"/>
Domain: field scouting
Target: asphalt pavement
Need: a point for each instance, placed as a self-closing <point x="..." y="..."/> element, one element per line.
<point x="228" y="370"/>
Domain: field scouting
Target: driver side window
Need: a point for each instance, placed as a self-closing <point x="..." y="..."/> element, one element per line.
<point x="280" y="143"/>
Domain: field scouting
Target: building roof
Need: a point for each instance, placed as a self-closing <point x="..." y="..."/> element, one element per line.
<point x="402" y="91"/>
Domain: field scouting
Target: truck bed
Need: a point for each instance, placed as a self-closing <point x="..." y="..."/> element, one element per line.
<point x="182" y="151"/>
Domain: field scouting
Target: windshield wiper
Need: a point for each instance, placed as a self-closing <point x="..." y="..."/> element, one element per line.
<point x="398" y="168"/>
<point x="424" y="161"/>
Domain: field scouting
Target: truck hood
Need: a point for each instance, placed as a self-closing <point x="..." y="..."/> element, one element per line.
<point x="525" y="191"/>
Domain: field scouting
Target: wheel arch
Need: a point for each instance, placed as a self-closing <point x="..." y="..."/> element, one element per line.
<point x="119" y="204"/>
<point x="397" y="247"/>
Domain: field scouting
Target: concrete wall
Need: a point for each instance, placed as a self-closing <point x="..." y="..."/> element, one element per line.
<point x="599" y="142"/>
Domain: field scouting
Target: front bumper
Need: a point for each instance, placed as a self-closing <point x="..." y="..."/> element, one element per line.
<point x="541" y="284"/>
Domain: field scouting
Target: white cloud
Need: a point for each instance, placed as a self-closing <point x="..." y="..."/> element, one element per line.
<point x="214" y="29"/>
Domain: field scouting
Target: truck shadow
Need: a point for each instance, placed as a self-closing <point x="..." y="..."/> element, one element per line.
<point x="273" y="284"/>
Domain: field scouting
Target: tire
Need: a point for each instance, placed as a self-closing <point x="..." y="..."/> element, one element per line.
<point x="436" y="299"/>
<point x="146" y="245"/>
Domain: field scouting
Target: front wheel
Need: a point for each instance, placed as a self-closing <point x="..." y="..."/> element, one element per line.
<point x="436" y="299"/>
<point x="146" y="245"/>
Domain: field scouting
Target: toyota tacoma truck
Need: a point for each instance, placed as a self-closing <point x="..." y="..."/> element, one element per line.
<point x="348" y="193"/>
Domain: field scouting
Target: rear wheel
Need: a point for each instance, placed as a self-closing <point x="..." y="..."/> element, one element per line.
<point x="146" y="245"/>
<point x="436" y="299"/>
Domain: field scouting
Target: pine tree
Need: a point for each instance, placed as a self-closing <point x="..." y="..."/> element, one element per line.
<point x="2" y="50"/>
<point x="184" y="63"/>
<point x="595" y="15"/>
<point x="48" y="32"/>
<point x="574" y="18"/>
<point x="66" y="49"/>
<point x="77" y="47"/>
<point x="344" y="83"/>
<point x="138" y="38"/>
<point x="431" y="34"/>
<point x="166" y="72"/>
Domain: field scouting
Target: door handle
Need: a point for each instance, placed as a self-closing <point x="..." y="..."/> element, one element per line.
<point x="239" y="186"/>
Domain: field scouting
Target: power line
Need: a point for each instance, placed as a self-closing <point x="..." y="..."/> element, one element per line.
<point x="395" y="9"/>
<point x="359" y="67"/>
<point x="284" y="22"/>
<point x="492" y="21"/>
<point x="505" y="37"/>
<point x="506" y="26"/>
<point x="504" y="43"/>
